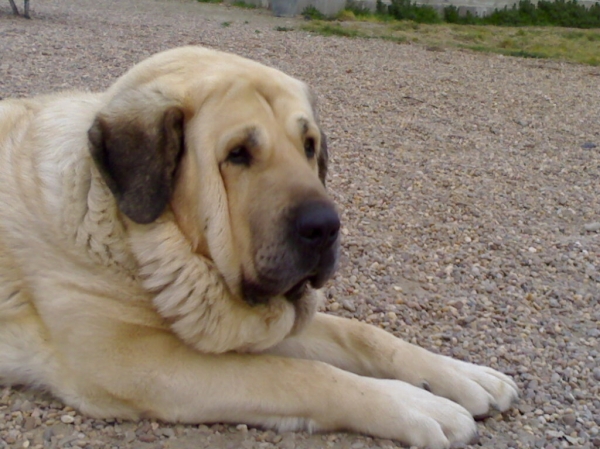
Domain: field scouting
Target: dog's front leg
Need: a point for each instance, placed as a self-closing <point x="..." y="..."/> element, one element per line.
<point x="153" y="374"/>
<point x="369" y="351"/>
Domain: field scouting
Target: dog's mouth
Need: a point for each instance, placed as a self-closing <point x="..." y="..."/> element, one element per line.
<point x="299" y="289"/>
<point x="316" y="280"/>
<point x="260" y="289"/>
<point x="254" y="294"/>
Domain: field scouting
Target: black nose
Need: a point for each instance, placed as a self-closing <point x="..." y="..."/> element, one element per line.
<point x="317" y="224"/>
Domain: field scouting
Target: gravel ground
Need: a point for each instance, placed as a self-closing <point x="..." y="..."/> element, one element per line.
<point x="469" y="185"/>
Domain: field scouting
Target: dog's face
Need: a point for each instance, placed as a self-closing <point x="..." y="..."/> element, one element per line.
<point x="234" y="150"/>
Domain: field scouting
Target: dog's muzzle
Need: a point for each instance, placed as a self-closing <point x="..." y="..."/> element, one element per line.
<point x="312" y="247"/>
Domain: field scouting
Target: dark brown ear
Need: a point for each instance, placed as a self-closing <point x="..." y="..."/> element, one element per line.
<point x="323" y="158"/>
<point x="138" y="157"/>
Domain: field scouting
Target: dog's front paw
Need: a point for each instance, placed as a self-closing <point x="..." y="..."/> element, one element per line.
<point x="477" y="388"/>
<point x="416" y="417"/>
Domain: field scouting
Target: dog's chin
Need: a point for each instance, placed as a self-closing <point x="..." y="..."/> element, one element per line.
<point x="303" y="295"/>
<point x="255" y="293"/>
<point x="297" y="291"/>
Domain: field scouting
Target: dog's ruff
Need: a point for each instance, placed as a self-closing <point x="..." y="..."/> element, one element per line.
<point x="149" y="266"/>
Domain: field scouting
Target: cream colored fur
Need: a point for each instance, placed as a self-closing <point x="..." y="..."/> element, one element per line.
<point x="121" y="319"/>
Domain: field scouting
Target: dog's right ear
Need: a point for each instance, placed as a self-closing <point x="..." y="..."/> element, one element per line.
<point x="137" y="152"/>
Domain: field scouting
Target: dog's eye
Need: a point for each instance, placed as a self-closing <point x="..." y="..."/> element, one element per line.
<point x="240" y="155"/>
<point x="309" y="148"/>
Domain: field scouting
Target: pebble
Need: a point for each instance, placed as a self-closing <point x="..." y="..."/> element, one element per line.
<point x="29" y="424"/>
<point x="348" y="305"/>
<point x="147" y="438"/>
<point x="592" y="227"/>
<point x="167" y="432"/>
<point x="130" y="436"/>
<point x="48" y="434"/>
<point x="569" y="419"/>
<point x="67" y="419"/>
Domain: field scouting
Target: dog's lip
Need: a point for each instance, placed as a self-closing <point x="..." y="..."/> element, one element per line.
<point x="298" y="289"/>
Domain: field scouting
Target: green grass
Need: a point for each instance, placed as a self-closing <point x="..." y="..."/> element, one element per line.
<point x="242" y="4"/>
<point x="312" y="13"/>
<point x="573" y="45"/>
<point x="563" y="13"/>
<point x="332" y="29"/>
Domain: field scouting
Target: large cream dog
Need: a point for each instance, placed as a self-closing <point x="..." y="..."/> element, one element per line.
<point x="161" y="249"/>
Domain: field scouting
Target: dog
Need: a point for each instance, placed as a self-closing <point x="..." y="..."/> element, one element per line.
<point x="162" y="247"/>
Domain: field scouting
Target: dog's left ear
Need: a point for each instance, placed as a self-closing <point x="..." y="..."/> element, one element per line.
<point x="323" y="159"/>
<point x="137" y="153"/>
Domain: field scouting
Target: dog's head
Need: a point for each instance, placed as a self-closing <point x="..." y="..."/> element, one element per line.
<point x="234" y="150"/>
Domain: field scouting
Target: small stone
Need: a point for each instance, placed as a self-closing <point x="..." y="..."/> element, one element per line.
<point x="147" y="438"/>
<point x="596" y="373"/>
<point x="334" y="306"/>
<point x="26" y="406"/>
<point x="348" y="305"/>
<point x="571" y="439"/>
<point x="592" y="227"/>
<point x="596" y="442"/>
<point x="392" y="316"/>
<point x="29" y="424"/>
<point x="525" y="408"/>
<point x="167" y="432"/>
<point x="589" y="146"/>
<point x="492" y="424"/>
<point x="48" y="434"/>
<point x="242" y="428"/>
<point x="67" y="419"/>
<point x="569" y="419"/>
